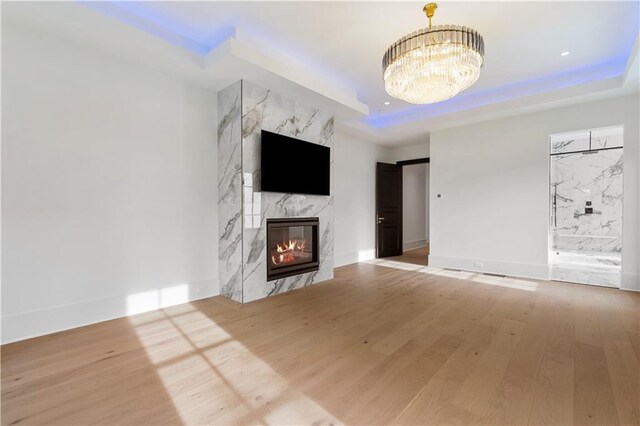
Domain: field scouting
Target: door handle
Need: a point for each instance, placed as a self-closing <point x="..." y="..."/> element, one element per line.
<point x="380" y="219"/>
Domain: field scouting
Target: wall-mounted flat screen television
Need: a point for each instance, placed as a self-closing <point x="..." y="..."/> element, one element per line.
<point x="294" y="166"/>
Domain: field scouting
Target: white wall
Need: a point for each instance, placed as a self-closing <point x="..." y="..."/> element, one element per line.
<point x="355" y="198"/>
<point x="409" y="152"/>
<point x="412" y="234"/>
<point x="427" y="199"/>
<point x="494" y="180"/>
<point x="108" y="184"/>
<point x="414" y="206"/>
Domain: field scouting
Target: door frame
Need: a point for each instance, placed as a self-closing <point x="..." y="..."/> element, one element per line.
<point x="378" y="223"/>
<point x="422" y="160"/>
<point x="414" y="161"/>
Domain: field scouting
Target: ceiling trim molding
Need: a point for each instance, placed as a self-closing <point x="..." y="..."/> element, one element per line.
<point x="231" y="54"/>
<point x="244" y="48"/>
<point x="599" y="77"/>
<point x="632" y="59"/>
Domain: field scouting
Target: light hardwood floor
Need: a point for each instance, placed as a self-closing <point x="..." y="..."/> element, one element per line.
<point x="380" y="344"/>
<point x="417" y="256"/>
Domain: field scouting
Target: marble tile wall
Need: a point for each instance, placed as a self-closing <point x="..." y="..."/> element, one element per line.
<point x="577" y="142"/>
<point x="580" y="178"/>
<point x="591" y="268"/>
<point x="586" y="247"/>
<point x="264" y="109"/>
<point x="230" y="192"/>
<point x="581" y="141"/>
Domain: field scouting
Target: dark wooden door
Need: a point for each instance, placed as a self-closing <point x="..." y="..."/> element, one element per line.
<point x="388" y="210"/>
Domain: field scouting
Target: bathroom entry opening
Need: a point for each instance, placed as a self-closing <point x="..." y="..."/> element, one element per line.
<point x="586" y="199"/>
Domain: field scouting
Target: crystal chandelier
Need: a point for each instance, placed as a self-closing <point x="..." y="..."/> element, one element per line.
<point x="433" y="64"/>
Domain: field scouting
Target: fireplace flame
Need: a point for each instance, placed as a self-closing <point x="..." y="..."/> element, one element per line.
<point x="288" y="252"/>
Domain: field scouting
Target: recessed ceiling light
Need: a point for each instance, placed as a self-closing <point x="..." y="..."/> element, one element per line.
<point x="565" y="53"/>
<point x="386" y="103"/>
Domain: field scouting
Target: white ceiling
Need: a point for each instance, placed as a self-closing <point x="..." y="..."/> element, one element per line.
<point x="336" y="50"/>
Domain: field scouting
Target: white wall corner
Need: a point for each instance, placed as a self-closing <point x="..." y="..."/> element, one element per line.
<point x="632" y="59"/>
<point x="630" y="282"/>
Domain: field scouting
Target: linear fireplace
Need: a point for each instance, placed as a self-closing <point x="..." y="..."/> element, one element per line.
<point x="292" y="247"/>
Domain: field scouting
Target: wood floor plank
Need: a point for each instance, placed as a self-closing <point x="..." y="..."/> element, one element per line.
<point x="587" y="327"/>
<point x="434" y="402"/>
<point x="477" y="390"/>
<point x="593" y="393"/>
<point x="553" y="400"/>
<point x="624" y="374"/>
<point x="385" y="342"/>
<point x="514" y="394"/>
<point x="406" y="371"/>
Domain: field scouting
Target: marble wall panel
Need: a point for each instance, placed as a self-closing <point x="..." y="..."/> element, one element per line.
<point x="243" y="224"/>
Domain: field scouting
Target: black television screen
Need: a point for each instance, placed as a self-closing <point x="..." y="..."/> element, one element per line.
<point x="293" y="166"/>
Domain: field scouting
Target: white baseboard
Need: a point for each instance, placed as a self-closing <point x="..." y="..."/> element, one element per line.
<point x="345" y="259"/>
<point x="630" y="282"/>
<point x="410" y="245"/>
<point x="523" y="270"/>
<point x="25" y="325"/>
<point x="353" y="257"/>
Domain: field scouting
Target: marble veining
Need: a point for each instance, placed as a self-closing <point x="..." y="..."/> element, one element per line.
<point x="587" y="246"/>
<point x="590" y="268"/>
<point x="578" y="179"/>
<point x="229" y="192"/>
<point x="582" y="141"/>
<point x="570" y="145"/>
<point x="262" y="109"/>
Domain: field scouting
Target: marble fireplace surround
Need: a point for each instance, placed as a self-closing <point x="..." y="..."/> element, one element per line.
<point x="245" y="109"/>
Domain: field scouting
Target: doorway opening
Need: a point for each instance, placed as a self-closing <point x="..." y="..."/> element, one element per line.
<point x="402" y="208"/>
<point x="585" y="228"/>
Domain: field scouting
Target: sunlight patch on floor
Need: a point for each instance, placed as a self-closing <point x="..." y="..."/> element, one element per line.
<point x="461" y="275"/>
<point x="213" y="378"/>
<point x="518" y="284"/>
<point x="393" y="264"/>
<point x="508" y="282"/>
